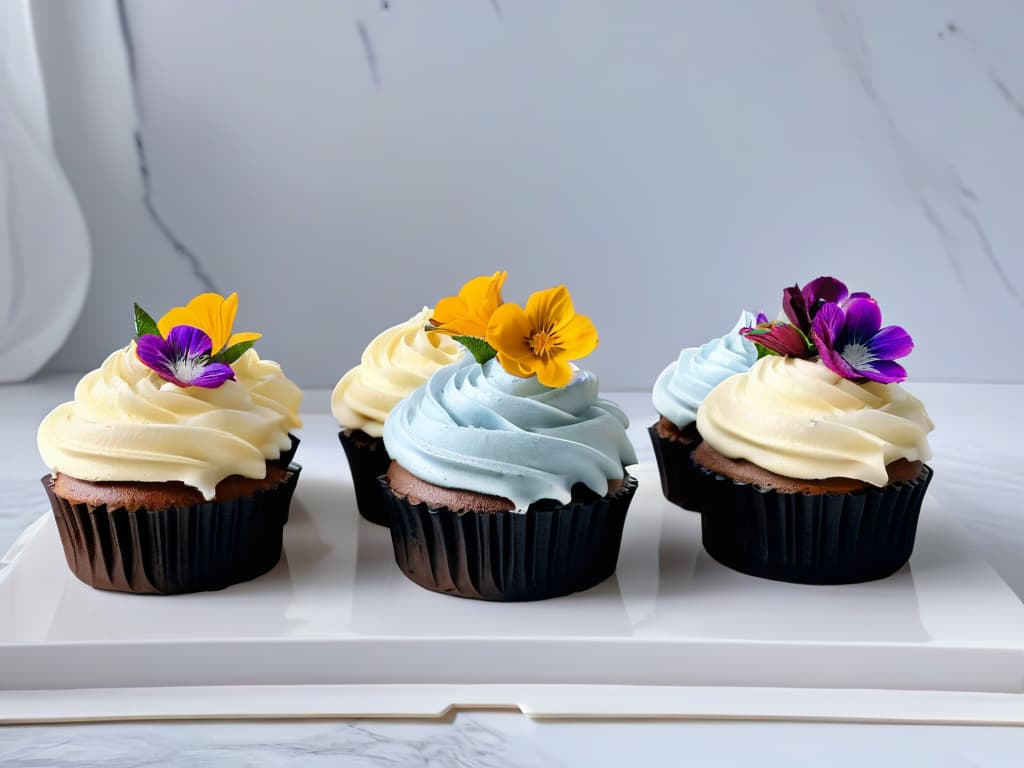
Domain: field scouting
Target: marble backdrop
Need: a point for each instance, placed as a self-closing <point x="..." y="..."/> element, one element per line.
<point x="342" y="163"/>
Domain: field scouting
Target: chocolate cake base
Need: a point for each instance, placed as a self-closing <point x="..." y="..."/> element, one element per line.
<point x="182" y="547"/>
<point x="367" y="460"/>
<point x="834" y="531"/>
<point x="547" y="551"/>
<point x="672" y="449"/>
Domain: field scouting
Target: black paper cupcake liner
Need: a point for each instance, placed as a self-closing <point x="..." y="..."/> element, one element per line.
<point x="680" y="481"/>
<point x="547" y="551"/>
<point x="288" y="455"/>
<point x="841" y="538"/>
<point x="170" y="551"/>
<point x="368" y="460"/>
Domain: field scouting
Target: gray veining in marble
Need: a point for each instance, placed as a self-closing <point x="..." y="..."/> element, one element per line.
<point x="177" y="245"/>
<point x="944" y="198"/>
<point x="670" y="162"/>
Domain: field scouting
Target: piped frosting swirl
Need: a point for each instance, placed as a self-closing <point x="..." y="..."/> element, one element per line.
<point x="798" y="419"/>
<point x="477" y="428"/>
<point x="394" y="364"/>
<point x="127" y="424"/>
<point x="685" y="382"/>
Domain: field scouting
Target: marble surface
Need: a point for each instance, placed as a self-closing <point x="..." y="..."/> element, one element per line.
<point x="671" y="162"/>
<point x="977" y="466"/>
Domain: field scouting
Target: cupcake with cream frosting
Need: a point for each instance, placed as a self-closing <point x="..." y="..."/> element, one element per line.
<point x="392" y="366"/>
<point x="678" y="393"/>
<point x="165" y="468"/>
<point x="508" y="478"/>
<point x="812" y="462"/>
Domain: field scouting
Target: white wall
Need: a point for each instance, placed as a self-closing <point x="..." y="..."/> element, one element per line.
<point x="671" y="161"/>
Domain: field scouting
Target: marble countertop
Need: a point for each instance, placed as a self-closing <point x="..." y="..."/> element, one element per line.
<point x="978" y="464"/>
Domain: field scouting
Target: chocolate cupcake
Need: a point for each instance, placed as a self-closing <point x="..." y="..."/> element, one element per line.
<point x="165" y="469"/>
<point x="678" y="393"/>
<point x="508" y="481"/>
<point x="394" y="364"/>
<point x="811" y="464"/>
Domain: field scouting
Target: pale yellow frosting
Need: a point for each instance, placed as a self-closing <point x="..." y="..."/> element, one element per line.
<point x="127" y="424"/>
<point x="799" y="419"/>
<point x="394" y="364"/>
<point x="269" y="387"/>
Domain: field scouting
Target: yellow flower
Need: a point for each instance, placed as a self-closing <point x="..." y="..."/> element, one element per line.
<point x="212" y="313"/>
<point x="543" y="338"/>
<point x="468" y="313"/>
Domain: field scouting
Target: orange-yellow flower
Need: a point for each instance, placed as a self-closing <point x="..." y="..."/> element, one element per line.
<point x="211" y="313"/>
<point x="468" y="313"/>
<point x="543" y="338"/>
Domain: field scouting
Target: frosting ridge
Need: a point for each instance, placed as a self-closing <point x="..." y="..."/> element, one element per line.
<point x="798" y="419"/>
<point x="682" y="386"/>
<point x="478" y="428"/>
<point x="395" y="363"/>
<point x="269" y="387"/>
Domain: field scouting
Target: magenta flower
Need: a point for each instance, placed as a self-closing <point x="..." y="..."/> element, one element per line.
<point x="781" y="338"/>
<point x="801" y="305"/>
<point x="852" y="343"/>
<point x="183" y="358"/>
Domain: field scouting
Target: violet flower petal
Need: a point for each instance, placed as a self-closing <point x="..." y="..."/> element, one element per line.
<point x="863" y="319"/>
<point x="884" y="372"/>
<point x="213" y="375"/>
<point x="761" y="318"/>
<point x="824" y="289"/>
<point x="891" y="343"/>
<point x="795" y="307"/>
<point x="188" y="342"/>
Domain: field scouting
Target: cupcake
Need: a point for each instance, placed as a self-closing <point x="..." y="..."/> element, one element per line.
<point x="678" y="393"/>
<point x="508" y="477"/>
<point x="165" y="474"/>
<point x="812" y="462"/>
<point x="394" y="364"/>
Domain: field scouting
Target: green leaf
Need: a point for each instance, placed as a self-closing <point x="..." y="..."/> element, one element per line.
<point x="478" y="348"/>
<point x="232" y="353"/>
<point x="764" y="351"/>
<point x="144" y="323"/>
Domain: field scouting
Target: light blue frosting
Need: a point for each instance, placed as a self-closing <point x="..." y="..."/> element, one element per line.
<point x="683" y="385"/>
<point x="477" y="428"/>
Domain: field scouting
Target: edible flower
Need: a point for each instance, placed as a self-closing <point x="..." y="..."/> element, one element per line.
<point x="852" y="343"/>
<point x="212" y="314"/>
<point x="802" y="304"/>
<point x="773" y="337"/>
<point x="183" y="358"/>
<point x="468" y="314"/>
<point x="542" y="338"/>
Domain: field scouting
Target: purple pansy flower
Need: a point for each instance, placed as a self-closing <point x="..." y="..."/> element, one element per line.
<point x="852" y="343"/>
<point x="183" y="358"/>
<point x="801" y="305"/>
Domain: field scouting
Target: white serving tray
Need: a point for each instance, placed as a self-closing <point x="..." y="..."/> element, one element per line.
<point x="336" y="630"/>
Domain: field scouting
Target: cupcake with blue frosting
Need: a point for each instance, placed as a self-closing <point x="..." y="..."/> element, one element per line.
<point x="678" y="394"/>
<point x="508" y="480"/>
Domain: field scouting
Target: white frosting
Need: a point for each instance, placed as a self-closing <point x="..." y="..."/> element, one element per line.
<point x="798" y="419"/>
<point x="128" y="424"/>
<point x="394" y="364"/>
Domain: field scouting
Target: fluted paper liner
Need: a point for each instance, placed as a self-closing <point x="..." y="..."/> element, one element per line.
<point x="837" y="538"/>
<point x="680" y="482"/>
<point x="288" y="455"/>
<point x="285" y="459"/>
<point x="207" y="546"/>
<point x="547" y="551"/>
<point x="367" y="463"/>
